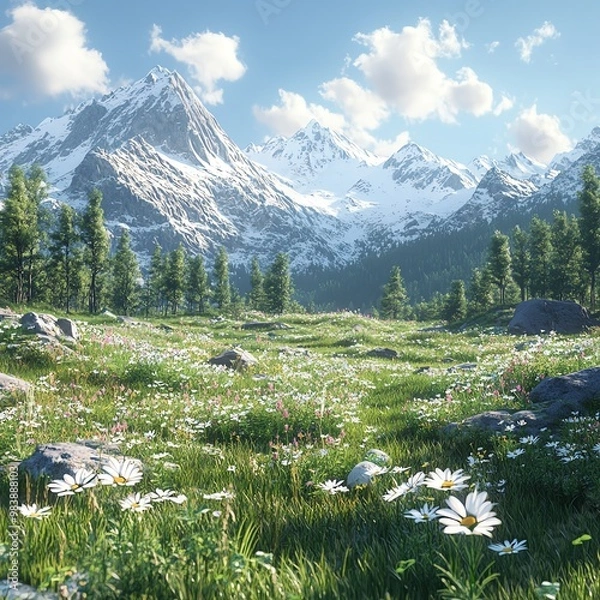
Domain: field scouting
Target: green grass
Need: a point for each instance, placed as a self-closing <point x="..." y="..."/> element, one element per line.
<point x="307" y="412"/>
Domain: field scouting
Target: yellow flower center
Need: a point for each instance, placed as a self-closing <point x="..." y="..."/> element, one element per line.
<point x="507" y="550"/>
<point x="447" y="484"/>
<point x="120" y="480"/>
<point x="468" y="521"/>
<point x="75" y="486"/>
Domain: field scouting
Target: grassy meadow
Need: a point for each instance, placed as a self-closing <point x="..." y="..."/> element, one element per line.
<point x="252" y="452"/>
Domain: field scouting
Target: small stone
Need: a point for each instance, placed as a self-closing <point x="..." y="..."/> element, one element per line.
<point x="362" y="473"/>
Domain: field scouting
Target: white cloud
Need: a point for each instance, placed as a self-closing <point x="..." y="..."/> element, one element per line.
<point x="210" y="58"/>
<point x="526" y="45"/>
<point x="45" y="51"/>
<point x="539" y="135"/>
<point x="492" y="46"/>
<point x="402" y="69"/>
<point x="505" y="104"/>
<point x="363" y="108"/>
<point x="294" y="112"/>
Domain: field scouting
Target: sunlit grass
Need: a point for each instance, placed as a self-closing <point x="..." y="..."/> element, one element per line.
<point x="268" y="436"/>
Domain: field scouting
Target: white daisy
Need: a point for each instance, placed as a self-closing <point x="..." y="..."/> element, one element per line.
<point x="159" y="495"/>
<point x="332" y="486"/>
<point x="507" y="547"/>
<point x="223" y="495"/>
<point x="447" y="480"/>
<point x="136" y="502"/>
<point x="474" y="517"/>
<point x="120" y="472"/>
<point x="423" y="514"/>
<point x="395" y="493"/>
<point x="31" y="511"/>
<point x="70" y="485"/>
<point x="515" y="453"/>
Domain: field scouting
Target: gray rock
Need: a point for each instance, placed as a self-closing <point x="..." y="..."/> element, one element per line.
<point x="56" y="460"/>
<point x="362" y="473"/>
<point x="108" y="315"/>
<point x="554" y="399"/>
<point x="48" y="325"/>
<point x="572" y="392"/>
<point x="533" y="317"/>
<point x="383" y="353"/>
<point x="68" y="328"/>
<point x="9" y="384"/>
<point x="235" y="358"/>
<point x="20" y="591"/>
<point x="265" y="326"/>
<point x="6" y="314"/>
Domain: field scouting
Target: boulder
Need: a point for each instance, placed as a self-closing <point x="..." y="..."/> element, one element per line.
<point x="235" y="358"/>
<point x="554" y="399"/>
<point x="9" y="384"/>
<point x="265" y="326"/>
<point x="383" y="353"/>
<point x="533" y="317"/>
<point x="21" y="591"/>
<point x="48" y="325"/>
<point x="568" y="393"/>
<point x="362" y="473"/>
<point x="58" y="459"/>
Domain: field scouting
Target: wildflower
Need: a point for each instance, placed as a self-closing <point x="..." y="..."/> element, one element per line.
<point x="422" y="515"/>
<point x="474" y="517"/>
<point x="596" y="448"/>
<point x="123" y="472"/>
<point x="333" y="487"/>
<point x="167" y="495"/>
<point x="515" y="453"/>
<point x="136" y="502"/>
<point x="70" y="485"/>
<point x="447" y="480"/>
<point x="530" y="439"/>
<point x="415" y="481"/>
<point x="223" y="495"/>
<point x="507" y="547"/>
<point x="399" y="470"/>
<point x="395" y="493"/>
<point x="31" y="511"/>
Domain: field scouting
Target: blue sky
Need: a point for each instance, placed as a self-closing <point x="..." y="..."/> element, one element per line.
<point x="462" y="78"/>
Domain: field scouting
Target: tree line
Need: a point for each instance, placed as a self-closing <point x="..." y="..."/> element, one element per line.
<point x="557" y="260"/>
<point x="62" y="258"/>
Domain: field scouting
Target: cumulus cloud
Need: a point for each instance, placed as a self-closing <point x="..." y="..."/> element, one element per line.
<point x="402" y="69"/>
<point x="293" y="112"/>
<point x="364" y="109"/>
<point x="45" y="51"/>
<point x="526" y="45"/>
<point x="539" y="135"/>
<point x="505" y="104"/>
<point x="492" y="46"/>
<point x="210" y="58"/>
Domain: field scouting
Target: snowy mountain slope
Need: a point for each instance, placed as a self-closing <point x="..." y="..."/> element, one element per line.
<point x="168" y="170"/>
<point x="498" y="193"/>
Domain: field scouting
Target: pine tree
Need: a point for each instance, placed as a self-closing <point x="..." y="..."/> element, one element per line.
<point x="480" y="292"/>
<point x="222" y="289"/>
<point x="37" y="187"/>
<point x="393" y="301"/>
<point x="278" y="287"/>
<point x="66" y="258"/>
<point x="125" y="276"/>
<point x="15" y="235"/>
<point x="197" y="285"/>
<point x="540" y="249"/>
<point x="498" y="263"/>
<point x="520" y="260"/>
<point x="95" y="240"/>
<point x="455" y="308"/>
<point x="589" y="227"/>
<point x="256" y="296"/>
<point x="174" y="282"/>
<point x="566" y="260"/>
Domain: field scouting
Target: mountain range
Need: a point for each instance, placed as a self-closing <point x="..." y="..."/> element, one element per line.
<point x="170" y="174"/>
